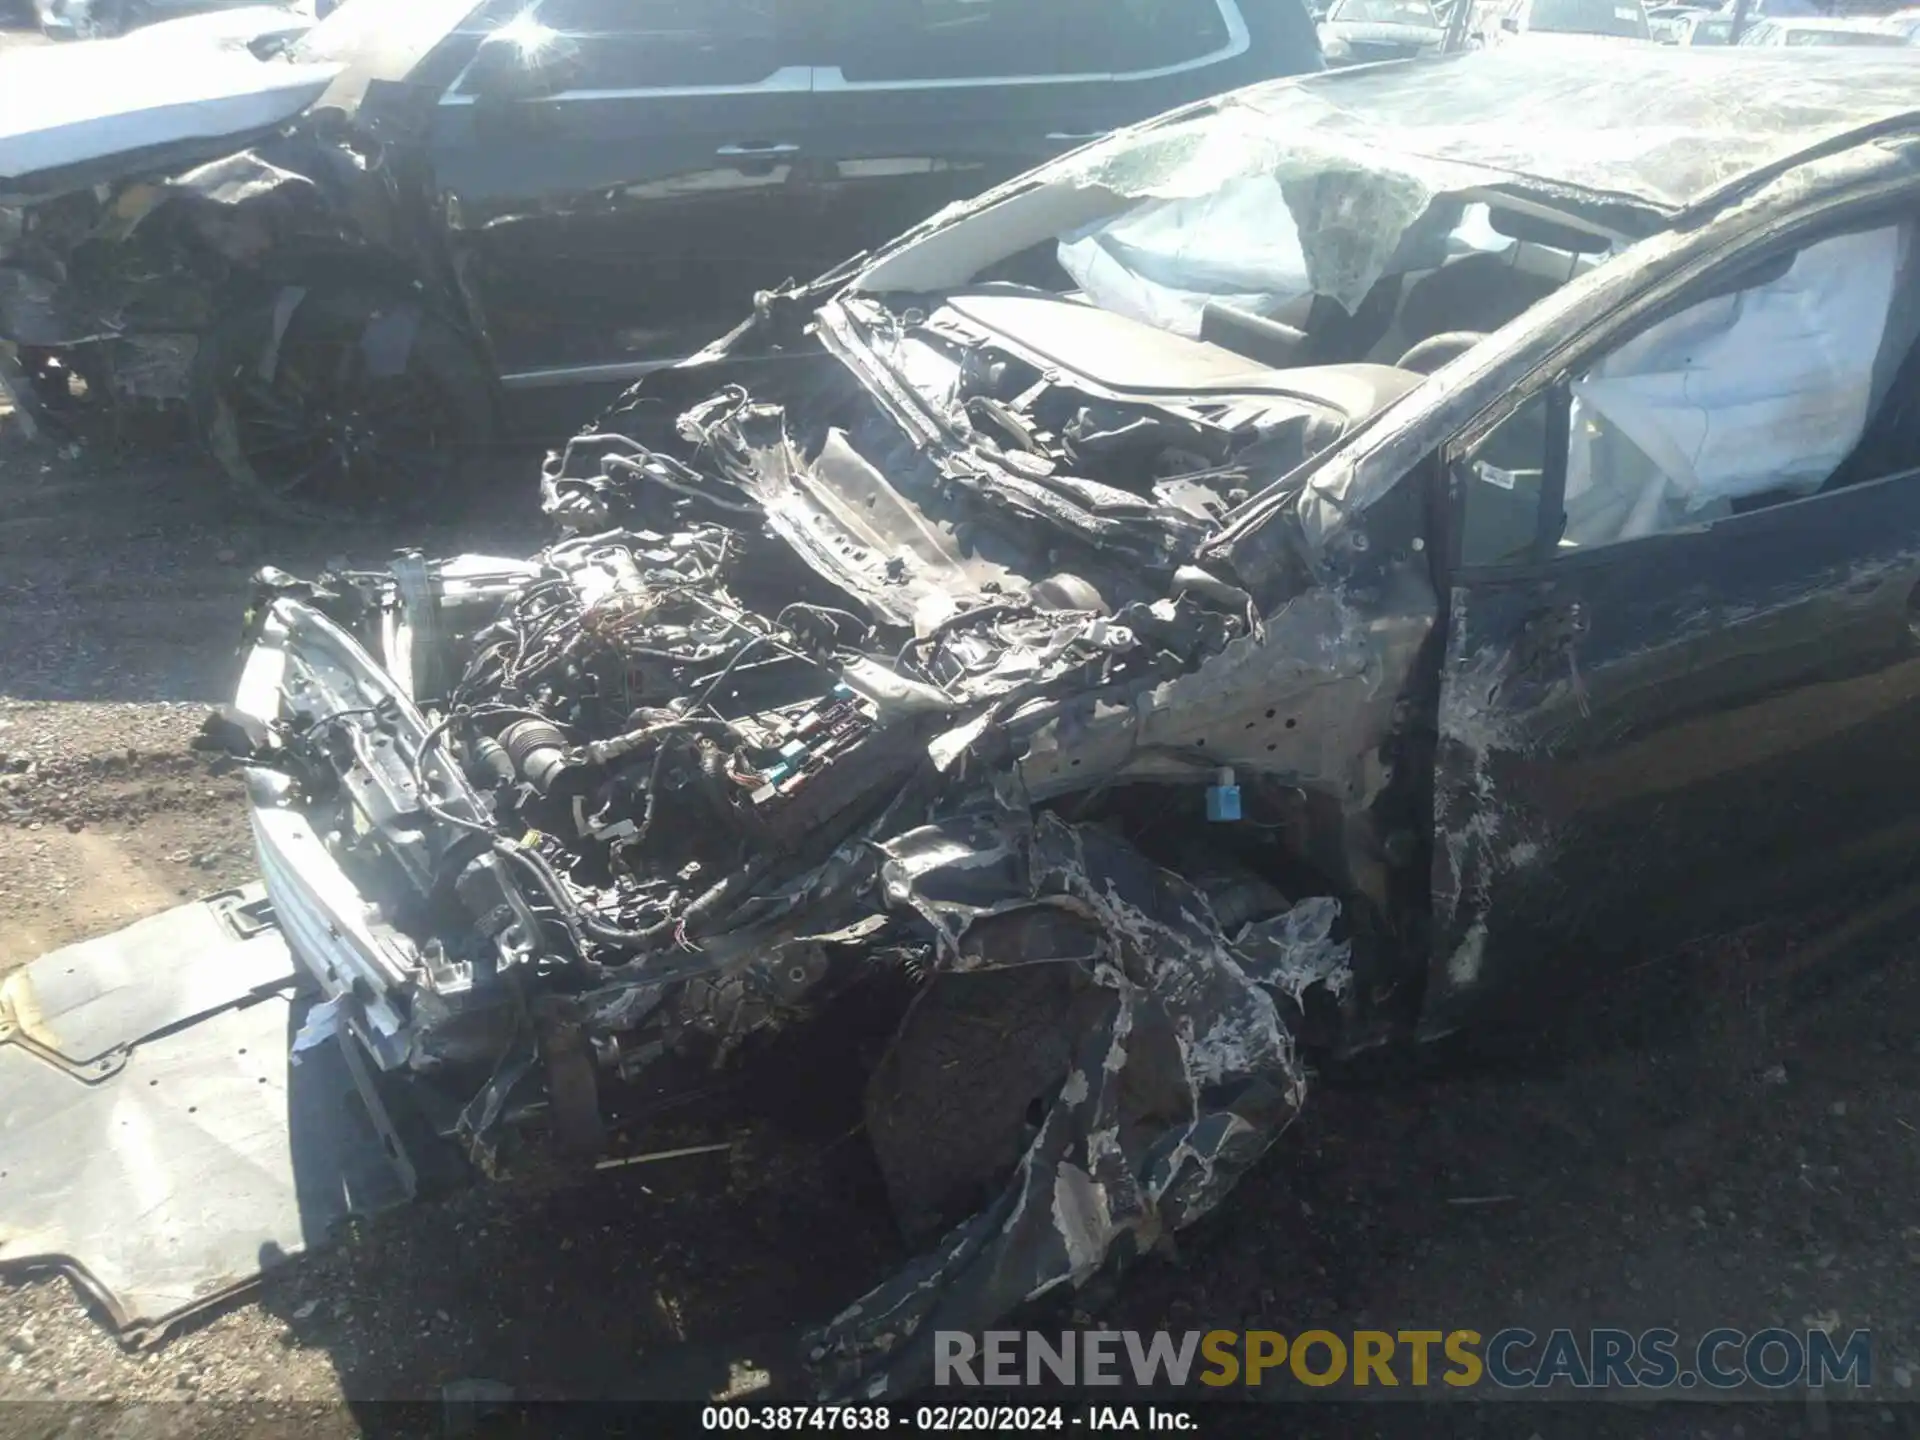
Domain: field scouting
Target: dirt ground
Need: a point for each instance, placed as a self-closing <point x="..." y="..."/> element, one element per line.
<point x="1731" y="1145"/>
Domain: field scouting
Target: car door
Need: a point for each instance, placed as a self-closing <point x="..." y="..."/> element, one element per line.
<point x="1681" y="686"/>
<point x="922" y="103"/>
<point x="624" y="179"/>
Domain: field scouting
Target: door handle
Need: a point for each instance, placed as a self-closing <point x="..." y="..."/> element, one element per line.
<point x="756" y="151"/>
<point x="1071" y="137"/>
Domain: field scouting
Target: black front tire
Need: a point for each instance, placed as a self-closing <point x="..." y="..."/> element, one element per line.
<point x="342" y="401"/>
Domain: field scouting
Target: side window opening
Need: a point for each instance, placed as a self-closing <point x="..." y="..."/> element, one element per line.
<point x="1503" y="480"/>
<point x="1153" y="34"/>
<point x="880" y="41"/>
<point x="903" y="41"/>
<point x="1791" y="378"/>
<point x="623" y="45"/>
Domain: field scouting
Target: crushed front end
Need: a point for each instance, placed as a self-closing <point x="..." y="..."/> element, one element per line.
<point x="760" y="729"/>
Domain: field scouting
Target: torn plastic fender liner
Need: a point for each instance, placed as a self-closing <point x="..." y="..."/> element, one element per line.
<point x="156" y="1143"/>
<point x="1183" y="1078"/>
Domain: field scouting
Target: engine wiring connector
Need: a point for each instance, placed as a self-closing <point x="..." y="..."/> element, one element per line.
<point x="1223" y="797"/>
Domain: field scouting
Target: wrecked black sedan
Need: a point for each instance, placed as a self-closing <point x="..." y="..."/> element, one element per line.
<point x="345" y="251"/>
<point x="1295" y="577"/>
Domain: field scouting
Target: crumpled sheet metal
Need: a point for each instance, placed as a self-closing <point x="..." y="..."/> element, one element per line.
<point x="1187" y="1076"/>
<point x="297" y="191"/>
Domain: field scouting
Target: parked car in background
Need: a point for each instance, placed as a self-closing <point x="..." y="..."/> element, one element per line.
<point x="1704" y="28"/>
<point x="1510" y="21"/>
<point x="1664" y="20"/>
<point x="1356" y="32"/>
<point x="504" y="194"/>
<point x="1798" y="33"/>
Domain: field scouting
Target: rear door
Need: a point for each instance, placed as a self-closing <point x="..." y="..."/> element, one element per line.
<point x="922" y="103"/>
<point x="627" y="219"/>
<point x="1682" y="681"/>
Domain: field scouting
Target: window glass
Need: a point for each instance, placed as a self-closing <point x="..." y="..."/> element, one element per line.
<point x="907" y="40"/>
<point x="652" y="44"/>
<point x="1760" y="392"/>
<point x="1500" y="483"/>
<point x="1150" y="34"/>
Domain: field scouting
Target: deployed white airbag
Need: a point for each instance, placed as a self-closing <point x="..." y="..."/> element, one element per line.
<point x="1163" y="261"/>
<point x="1764" y="390"/>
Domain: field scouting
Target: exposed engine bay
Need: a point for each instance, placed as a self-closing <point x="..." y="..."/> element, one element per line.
<point x="825" y="684"/>
<point x="948" y="647"/>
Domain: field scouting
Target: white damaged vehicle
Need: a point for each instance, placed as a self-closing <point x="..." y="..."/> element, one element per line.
<point x="199" y="78"/>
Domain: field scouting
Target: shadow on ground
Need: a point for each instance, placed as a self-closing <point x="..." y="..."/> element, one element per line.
<point x="125" y="567"/>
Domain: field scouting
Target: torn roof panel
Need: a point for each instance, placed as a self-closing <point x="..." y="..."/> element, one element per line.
<point x="1655" y="125"/>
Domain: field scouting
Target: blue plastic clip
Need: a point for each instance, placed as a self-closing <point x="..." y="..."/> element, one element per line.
<point x="1223" y="798"/>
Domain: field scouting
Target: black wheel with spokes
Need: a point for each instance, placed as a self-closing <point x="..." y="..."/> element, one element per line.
<point x="332" y="402"/>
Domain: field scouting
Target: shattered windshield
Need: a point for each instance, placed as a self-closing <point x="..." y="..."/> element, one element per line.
<point x="1169" y="323"/>
<point x="1231" y="209"/>
<point x="1589" y="17"/>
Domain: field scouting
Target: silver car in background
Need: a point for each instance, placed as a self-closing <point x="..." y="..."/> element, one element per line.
<point x="1356" y="32"/>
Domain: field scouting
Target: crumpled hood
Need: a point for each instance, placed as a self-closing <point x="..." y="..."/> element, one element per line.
<point x="192" y="79"/>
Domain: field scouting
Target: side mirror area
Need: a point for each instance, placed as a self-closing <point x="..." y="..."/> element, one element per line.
<point x="512" y="67"/>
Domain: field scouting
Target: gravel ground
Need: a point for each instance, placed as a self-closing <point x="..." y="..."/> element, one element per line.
<point x="1736" y="1147"/>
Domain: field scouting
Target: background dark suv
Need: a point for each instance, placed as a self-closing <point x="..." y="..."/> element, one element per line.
<point x="622" y="185"/>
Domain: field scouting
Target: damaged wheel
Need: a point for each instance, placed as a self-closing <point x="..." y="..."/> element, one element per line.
<point x="317" y="403"/>
<point x="956" y="1099"/>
